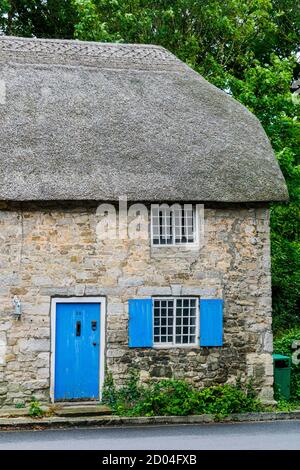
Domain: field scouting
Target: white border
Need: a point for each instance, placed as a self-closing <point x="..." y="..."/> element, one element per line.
<point x="174" y="345"/>
<point x="78" y="300"/>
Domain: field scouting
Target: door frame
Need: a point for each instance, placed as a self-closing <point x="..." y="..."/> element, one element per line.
<point x="77" y="300"/>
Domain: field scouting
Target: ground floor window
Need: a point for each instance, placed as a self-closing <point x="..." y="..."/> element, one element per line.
<point x="175" y="321"/>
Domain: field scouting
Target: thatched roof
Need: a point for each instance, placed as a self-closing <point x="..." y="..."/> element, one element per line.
<point x="95" y="121"/>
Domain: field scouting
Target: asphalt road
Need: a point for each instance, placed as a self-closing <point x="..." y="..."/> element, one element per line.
<point x="269" y="435"/>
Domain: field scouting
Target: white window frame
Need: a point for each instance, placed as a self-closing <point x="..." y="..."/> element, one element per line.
<point x="197" y="325"/>
<point x="193" y="244"/>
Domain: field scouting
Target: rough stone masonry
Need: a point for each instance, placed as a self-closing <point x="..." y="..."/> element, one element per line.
<point x="51" y="249"/>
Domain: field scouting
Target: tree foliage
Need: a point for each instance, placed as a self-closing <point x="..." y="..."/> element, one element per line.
<point x="40" y="18"/>
<point x="284" y="344"/>
<point x="247" y="48"/>
<point x="230" y="35"/>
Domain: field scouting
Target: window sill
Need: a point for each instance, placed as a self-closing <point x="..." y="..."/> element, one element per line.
<point x="177" y="346"/>
<point x="170" y="251"/>
<point x="182" y="246"/>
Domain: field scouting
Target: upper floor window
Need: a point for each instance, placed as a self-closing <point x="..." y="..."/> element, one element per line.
<point x="173" y="225"/>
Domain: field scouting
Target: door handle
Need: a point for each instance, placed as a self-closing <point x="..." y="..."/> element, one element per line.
<point x="94" y="344"/>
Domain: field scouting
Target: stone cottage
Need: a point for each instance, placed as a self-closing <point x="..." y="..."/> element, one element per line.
<point x="134" y="223"/>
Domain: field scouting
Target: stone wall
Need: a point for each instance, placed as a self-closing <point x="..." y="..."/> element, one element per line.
<point x="52" y="250"/>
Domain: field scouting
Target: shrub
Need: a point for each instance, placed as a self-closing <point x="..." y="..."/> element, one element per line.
<point x="178" y="398"/>
<point x="167" y="397"/>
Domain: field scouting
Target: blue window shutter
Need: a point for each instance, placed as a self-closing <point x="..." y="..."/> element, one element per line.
<point x="211" y="322"/>
<point x="140" y="326"/>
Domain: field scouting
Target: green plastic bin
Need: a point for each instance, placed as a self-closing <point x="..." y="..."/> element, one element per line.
<point x="282" y="375"/>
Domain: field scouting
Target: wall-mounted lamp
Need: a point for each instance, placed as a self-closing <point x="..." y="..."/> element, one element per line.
<point x="17" y="305"/>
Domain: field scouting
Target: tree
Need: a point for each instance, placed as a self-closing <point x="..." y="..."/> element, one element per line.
<point x="40" y="18"/>
<point x="227" y="34"/>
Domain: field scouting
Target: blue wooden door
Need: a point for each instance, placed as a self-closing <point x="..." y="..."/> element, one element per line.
<point x="77" y="351"/>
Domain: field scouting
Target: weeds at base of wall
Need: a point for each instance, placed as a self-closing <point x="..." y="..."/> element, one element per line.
<point x="35" y="409"/>
<point x="20" y="405"/>
<point x="284" y="405"/>
<point x="178" y="398"/>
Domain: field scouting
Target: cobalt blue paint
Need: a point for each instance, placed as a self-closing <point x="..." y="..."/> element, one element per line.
<point x="77" y="351"/>
<point x="211" y="322"/>
<point x="140" y="327"/>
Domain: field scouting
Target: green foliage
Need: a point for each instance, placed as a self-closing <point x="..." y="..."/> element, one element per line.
<point x="283" y="405"/>
<point x="109" y="392"/>
<point x="40" y="18"/>
<point x="283" y="345"/>
<point x="285" y="280"/>
<point x="178" y="398"/>
<point x="20" y="405"/>
<point x="206" y="33"/>
<point x="35" y="409"/>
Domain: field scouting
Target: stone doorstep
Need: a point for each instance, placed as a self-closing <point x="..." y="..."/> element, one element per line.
<point x="77" y="403"/>
<point x="105" y="420"/>
<point x="81" y="410"/>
